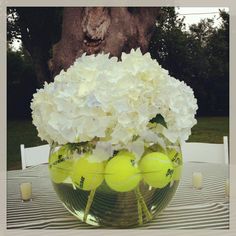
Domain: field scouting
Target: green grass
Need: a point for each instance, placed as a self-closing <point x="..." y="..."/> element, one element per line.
<point x="208" y="129"/>
<point x="19" y="132"/>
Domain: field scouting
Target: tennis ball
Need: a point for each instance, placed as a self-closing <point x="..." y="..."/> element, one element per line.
<point x="60" y="164"/>
<point x="87" y="175"/>
<point x="122" y="173"/>
<point x="126" y="153"/>
<point x="157" y="169"/>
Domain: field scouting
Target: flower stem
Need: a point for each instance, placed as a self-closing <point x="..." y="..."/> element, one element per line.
<point x="140" y="216"/>
<point x="143" y="204"/>
<point x="89" y="203"/>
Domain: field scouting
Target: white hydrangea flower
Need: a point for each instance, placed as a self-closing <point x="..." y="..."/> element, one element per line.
<point x="113" y="100"/>
<point x="137" y="148"/>
<point x="102" y="152"/>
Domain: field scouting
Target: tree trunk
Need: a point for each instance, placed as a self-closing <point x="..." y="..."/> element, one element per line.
<point x="102" y="29"/>
<point x="40" y="58"/>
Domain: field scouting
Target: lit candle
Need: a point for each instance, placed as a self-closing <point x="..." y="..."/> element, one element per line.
<point x="26" y="191"/>
<point x="227" y="187"/>
<point x="197" y="180"/>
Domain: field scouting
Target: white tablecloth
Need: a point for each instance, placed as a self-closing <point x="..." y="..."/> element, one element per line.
<point x="207" y="208"/>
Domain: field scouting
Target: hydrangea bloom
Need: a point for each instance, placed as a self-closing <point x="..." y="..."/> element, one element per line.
<point x="114" y="101"/>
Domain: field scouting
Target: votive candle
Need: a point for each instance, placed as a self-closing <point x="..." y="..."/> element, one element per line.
<point x="26" y="191"/>
<point x="197" y="180"/>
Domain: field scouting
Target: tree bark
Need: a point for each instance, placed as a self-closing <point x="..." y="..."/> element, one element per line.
<point x="102" y="29"/>
<point x="40" y="58"/>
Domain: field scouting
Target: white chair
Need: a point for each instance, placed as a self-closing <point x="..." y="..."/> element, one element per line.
<point x="206" y="152"/>
<point x="34" y="155"/>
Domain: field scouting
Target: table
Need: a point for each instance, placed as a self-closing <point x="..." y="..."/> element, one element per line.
<point x="207" y="208"/>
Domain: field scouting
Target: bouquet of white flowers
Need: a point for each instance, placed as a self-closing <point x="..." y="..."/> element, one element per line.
<point x="118" y="121"/>
<point x="114" y="101"/>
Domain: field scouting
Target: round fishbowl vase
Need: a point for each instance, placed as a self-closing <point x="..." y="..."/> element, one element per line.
<point x="120" y="192"/>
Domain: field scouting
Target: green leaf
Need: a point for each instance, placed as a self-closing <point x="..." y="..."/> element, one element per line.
<point x="159" y="119"/>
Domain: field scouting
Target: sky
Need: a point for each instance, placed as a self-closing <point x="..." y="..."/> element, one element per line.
<point x="192" y="16"/>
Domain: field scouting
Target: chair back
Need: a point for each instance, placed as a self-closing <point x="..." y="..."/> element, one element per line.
<point x="206" y="152"/>
<point x="34" y="155"/>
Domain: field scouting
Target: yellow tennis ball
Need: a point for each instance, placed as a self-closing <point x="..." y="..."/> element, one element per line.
<point x="126" y="153"/>
<point x="87" y="175"/>
<point x="157" y="169"/>
<point x="60" y="164"/>
<point x="122" y="173"/>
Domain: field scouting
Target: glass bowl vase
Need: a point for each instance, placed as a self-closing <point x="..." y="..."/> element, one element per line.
<point x="84" y="188"/>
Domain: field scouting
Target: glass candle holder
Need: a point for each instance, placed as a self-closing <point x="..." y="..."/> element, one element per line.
<point x="26" y="191"/>
<point x="197" y="180"/>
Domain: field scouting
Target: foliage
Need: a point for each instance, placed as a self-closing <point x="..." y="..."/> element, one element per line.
<point x="217" y="82"/>
<point x="34" y="25"/>
<point x="38" y="28"/>
<point x="21" y="84"/>
<point x="27" y="69"/>
<point x="200" y="57"/>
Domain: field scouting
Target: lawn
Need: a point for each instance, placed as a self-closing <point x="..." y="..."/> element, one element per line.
<point x="19" y="132"/>
<point x="208" y="129"/>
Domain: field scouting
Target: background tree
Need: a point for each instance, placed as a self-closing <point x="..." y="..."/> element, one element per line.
<point x="217" y="82"/>
<point x="102" y="29"/>
<point x="199" y="57"/>
<point x="89" y="30"/>
<point x="52" y="38"/>
<point x="84" y="29"/>
<point x="202" y="31"/>
<point x="38" y="28"/>
<point x="21" y="84"/>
